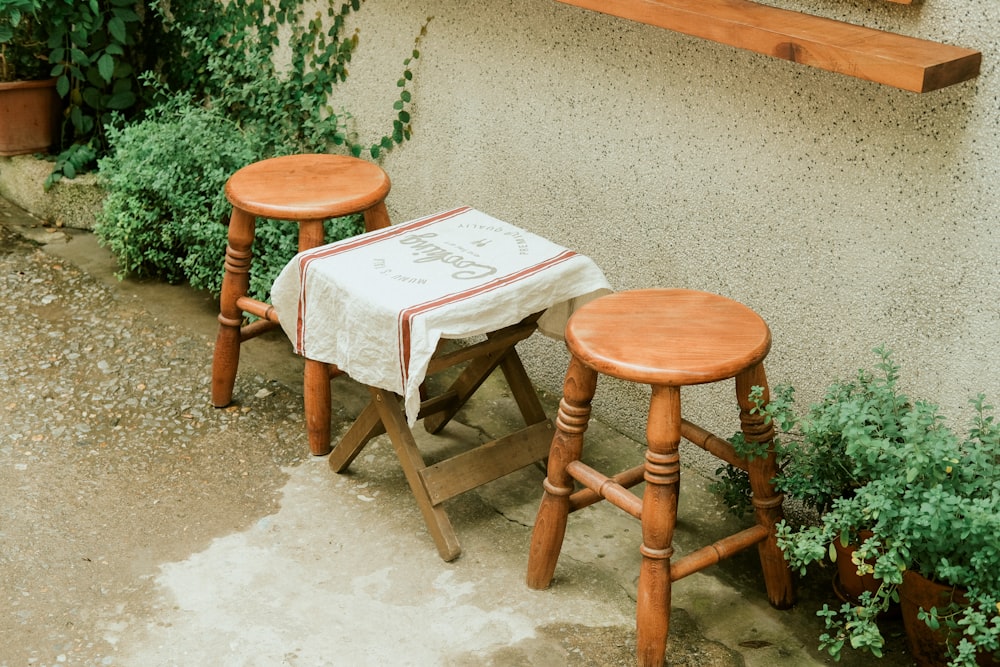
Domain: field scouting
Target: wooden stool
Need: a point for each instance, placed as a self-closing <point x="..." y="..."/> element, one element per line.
<point x="665" y="338"/>
<point x="307" y="189"/>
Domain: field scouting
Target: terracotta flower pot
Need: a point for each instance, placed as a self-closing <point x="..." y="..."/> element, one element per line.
<point x="928" y="646"/>
<point x="847" y="583"/>
<point x="29" y="115"/>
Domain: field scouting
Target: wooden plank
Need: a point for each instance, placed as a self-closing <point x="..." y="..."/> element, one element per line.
<point x="487" y="462"/>
<point x="896" y="60"/>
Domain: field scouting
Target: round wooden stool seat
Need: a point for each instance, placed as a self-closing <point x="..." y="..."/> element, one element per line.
<point x="670" y="337"/>
<point x="307" y="187"/>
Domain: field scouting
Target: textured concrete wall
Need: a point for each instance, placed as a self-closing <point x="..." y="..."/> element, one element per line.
<point x="847" y="213"/>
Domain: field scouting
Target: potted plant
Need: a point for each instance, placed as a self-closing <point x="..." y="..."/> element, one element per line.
<point x="814" y="468"/>
<point x="931" y="501"/>
<point x="28" y="101"/>
<point x="90" y="54"/>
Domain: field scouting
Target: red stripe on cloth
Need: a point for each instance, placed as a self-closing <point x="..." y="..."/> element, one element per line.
<point x="309" y="257"/>
<point x="406" y="317"/>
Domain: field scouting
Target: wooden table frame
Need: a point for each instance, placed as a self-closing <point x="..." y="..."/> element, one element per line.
<point x="433" y="484"/>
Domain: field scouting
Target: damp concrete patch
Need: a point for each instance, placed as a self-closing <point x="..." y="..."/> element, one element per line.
<point x="311" y="586"/>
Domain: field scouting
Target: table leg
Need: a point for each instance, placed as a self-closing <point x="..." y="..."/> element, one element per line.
<point x="412" y="462"/>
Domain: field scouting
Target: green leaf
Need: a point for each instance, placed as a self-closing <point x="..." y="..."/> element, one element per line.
<point x="92" y="97"/>
<point x="121" y="101"/>
<point x="106" y="66"/>
<point x="116" y="26"/>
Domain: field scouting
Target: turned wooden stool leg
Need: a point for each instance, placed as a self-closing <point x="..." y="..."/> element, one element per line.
<point x="235" y="283"/>
<point x="659" y="515"/>
<point x="567" y="446"/>
<point x="316" y="376"/>
<point x="311" y="234"/>
<point x="377" y="217"/>
<point x="766" y="500"/>
<point x="316" y="396"/>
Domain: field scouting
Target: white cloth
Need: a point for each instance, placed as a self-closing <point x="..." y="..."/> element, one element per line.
<point x="376" y="305"/>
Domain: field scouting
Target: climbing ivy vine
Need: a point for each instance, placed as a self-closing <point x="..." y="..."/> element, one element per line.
<point x="273" y="69"/>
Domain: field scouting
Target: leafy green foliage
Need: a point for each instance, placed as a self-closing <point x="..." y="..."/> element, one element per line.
<point x="929" y="496"/>
<point x="812" y="448"/>
<point x="22" y="44"/>
<point x="257" y="80"/>
<point x="95" y="53"/>
<point x="165" y="213"/>
<point x="229" y="56"/>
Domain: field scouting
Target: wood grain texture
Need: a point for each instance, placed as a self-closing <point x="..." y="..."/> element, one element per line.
<point x="668" y="336"/>
<point x="909" y="63"/>
<point x="308" y="187"/>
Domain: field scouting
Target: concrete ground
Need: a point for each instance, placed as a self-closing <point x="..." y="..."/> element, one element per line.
<point x="140" y="526"/>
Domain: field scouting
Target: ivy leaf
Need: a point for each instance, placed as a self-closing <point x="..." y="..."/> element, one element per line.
<point x="116" y="26"/>
<point x="122" y="100"/>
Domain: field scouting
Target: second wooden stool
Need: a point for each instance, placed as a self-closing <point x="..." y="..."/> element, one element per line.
<point x="667" y="339"/>
<point x="306" y="189"/>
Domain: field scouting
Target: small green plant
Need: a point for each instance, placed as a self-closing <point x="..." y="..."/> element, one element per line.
<point x="811" y="448"/>
<point x="92" y="51"/>
<point x="93" y="59"/>
<point x="930" y="499"/>
<point x="165" y="213"/>
<point x="23" y="48"/>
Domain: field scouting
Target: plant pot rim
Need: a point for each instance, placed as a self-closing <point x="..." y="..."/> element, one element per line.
<point x="28" y="83"/>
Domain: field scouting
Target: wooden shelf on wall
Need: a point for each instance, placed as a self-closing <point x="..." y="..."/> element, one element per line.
<point x="909" y="63"/>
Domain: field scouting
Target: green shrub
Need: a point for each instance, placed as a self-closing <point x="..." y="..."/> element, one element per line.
<point x="165" y="213"/>
<point x="165" y="210"/>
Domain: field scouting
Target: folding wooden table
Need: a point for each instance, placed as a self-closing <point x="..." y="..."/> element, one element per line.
<point x="380" y="305"/>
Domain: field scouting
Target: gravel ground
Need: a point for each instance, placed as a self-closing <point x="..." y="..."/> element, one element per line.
<point x="111" y="456"/>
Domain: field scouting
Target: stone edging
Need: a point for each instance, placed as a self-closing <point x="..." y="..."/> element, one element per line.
<point x="70" y="203"/>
